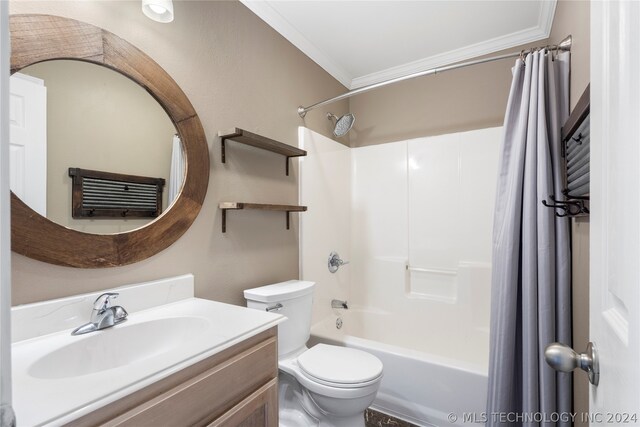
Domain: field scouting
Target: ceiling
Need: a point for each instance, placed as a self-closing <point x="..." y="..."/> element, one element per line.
<point x="366" y="42"/>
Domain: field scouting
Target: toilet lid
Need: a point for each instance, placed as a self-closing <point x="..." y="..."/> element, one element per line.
<point x="340" y="365"/>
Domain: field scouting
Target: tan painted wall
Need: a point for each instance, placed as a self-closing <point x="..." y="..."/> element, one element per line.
<point x="98" y="119"/>
<point x="236" y="71"/>
<point x="573" y="17"/>
<point x="464" y="99"/>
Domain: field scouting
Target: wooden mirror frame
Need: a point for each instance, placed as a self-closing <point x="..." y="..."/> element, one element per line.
<point x="38" y="38"/>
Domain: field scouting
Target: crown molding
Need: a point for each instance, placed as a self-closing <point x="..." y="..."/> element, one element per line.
<point x="453" y="56"/>
<point x="547" y="13"/>
<point x="538" y="32"/>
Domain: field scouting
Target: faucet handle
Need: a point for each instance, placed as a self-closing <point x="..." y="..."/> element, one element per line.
<point x="335" y="262"/>
<point x="119" y="314"/>
<point x="103" y="302"/>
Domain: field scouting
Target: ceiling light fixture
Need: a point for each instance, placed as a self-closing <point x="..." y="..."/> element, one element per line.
<point x="158" y="10"/>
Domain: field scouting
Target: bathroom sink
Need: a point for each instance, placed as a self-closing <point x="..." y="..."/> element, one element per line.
<point x="59" y="377"/>
<point x="118" y="346"/>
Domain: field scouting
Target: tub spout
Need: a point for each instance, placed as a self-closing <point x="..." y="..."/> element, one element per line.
<point x="336" y="303"/>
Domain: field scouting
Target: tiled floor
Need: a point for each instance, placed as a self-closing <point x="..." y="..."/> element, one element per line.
<point x="378" y="419"/>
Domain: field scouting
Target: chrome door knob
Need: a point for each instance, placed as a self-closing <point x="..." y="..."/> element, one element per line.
<point x="563" y="358"/>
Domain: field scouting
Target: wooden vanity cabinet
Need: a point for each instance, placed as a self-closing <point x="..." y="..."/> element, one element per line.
<point x="259" y="409"/>
<point x="236" y="387"/>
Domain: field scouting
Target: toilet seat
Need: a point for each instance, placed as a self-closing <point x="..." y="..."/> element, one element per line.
<point x="339" y="385"/>
<point x="340" y="366"/>
<point x="347" y="384"/>
<point x="337" y="392"/>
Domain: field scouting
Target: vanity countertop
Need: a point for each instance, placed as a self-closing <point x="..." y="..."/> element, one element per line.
<point x="58" y="377"/>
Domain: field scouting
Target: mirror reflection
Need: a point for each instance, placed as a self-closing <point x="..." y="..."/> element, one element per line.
<point x="73" y="114"/>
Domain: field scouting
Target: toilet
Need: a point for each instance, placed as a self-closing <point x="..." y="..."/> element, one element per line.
<point x="325" y="385"/>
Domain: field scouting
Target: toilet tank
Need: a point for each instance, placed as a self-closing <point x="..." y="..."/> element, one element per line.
<point x="296" y="297"/>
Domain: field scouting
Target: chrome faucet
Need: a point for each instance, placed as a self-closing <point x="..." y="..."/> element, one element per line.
<point x="103" y="315"/>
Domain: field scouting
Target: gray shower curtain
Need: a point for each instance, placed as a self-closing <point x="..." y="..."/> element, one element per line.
<point x="531" y="276"/>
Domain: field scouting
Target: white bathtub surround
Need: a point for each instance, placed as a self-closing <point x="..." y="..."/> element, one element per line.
<point x="325" y="187"/>
<point x="420" y="237"/>
<point x="58" y="377"/>
<point x="426" y="205"/>
<point x="379" y="226"/>
<point x="450" y="205"/>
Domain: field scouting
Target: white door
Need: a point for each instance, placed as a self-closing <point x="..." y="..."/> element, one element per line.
<point x="28" y="141"/>
<point x="615" y="211"/>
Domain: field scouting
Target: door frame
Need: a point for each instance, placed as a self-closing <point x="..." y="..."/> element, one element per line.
<point x="7" y="417"/>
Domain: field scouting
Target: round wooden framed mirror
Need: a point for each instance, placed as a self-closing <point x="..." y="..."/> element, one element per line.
<point x="38" y="38"/>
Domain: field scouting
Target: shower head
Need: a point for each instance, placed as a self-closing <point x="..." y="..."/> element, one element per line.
<point x="343" y="124"/>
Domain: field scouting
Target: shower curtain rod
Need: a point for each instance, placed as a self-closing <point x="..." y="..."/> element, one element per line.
<point x="564" y="45"/>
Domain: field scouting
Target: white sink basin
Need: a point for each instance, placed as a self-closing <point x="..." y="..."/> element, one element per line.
<point x="118" y="346"/>
<point x="58" y="377"/>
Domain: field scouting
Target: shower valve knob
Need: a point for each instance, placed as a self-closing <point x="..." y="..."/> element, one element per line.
<point x="335" y="262"/>
<point x="563" y="358"/>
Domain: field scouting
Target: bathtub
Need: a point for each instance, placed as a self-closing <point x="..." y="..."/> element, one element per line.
<point x="423" y="383"/>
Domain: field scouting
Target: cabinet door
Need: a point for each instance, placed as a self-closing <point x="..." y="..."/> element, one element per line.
<point x="210" y="395"/>
<point x="260" y="409"/>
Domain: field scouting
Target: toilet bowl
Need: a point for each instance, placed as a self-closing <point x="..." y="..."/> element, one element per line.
<point x="325" y="385"/>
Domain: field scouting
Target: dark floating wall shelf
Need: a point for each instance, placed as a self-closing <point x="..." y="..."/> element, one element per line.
<point x="258" y="141"/>
<point x="225" y="206"/>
